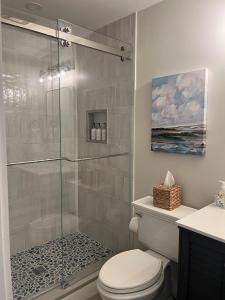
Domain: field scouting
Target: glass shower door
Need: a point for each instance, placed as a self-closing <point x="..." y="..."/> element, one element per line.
<point x="96" y="91"/>
<point x="30" y="68"/>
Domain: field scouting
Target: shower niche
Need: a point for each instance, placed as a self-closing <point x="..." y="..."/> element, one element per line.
<point x="97" y="126"/>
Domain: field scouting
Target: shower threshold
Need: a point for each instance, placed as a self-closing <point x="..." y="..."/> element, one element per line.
<point x="39" y="269"/>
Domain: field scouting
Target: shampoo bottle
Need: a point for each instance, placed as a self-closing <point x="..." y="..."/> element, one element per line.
<point x="93" y="132"/>
<point x="220" y="196"/>
<point x="98" y="133"/>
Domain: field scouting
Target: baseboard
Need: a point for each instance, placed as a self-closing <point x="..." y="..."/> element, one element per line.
<point x="88" y="292"/>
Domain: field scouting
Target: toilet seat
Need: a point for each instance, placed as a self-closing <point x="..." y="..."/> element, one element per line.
<point x="129" y="272"/>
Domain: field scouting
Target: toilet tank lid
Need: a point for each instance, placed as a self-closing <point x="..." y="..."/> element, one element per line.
<point x="145" y="205"/>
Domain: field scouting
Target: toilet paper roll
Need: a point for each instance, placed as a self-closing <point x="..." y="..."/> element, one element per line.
<point x="134" y="223"/>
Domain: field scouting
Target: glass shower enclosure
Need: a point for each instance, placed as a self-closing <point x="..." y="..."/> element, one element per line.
<point x="68" y="101"/>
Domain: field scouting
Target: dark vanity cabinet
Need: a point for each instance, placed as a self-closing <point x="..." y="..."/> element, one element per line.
<point x="201" y="267"/>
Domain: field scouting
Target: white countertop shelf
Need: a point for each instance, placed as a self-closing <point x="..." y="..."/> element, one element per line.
<point x="208" y="221"/>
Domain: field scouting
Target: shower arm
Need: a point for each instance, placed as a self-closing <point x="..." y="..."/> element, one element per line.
<point x="65" y="159"/>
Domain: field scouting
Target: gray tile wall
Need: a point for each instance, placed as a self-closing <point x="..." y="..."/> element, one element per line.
<point x="105" y="185"/>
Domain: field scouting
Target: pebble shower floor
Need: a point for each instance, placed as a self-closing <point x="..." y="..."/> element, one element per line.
<point x="40" y="267"/>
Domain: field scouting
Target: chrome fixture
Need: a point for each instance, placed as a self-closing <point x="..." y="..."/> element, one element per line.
<point x="122" y="57"/>
<point x="68" y="37"/>
<point x="56" y="71"/>
<point x="68" y="30"/>
<point x="138" y="214"/>
<point x="15" y="20"/>
<point x="65" y="43"/>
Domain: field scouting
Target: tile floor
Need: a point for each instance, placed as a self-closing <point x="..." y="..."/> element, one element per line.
<point x="40" y="267"/>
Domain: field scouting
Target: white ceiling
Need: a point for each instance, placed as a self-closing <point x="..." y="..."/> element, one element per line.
<point x="91" y="14"/>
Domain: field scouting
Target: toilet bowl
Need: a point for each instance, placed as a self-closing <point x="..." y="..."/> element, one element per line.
<point x="133" y="275"/>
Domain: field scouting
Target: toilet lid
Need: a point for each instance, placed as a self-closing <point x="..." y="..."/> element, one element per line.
<point x="130" y="271"/>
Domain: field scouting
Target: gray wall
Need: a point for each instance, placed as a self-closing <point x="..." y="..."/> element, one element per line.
<point x="177" y="36"/>
<point x="104" y="184"/>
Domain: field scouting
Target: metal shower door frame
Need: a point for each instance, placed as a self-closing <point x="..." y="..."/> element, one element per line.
<point x="68" y="37"/>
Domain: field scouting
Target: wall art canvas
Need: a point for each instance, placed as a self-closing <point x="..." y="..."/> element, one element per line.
<point x="179" y="113"/>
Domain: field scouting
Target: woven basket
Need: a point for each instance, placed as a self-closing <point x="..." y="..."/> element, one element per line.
<point x="167" y="198"/>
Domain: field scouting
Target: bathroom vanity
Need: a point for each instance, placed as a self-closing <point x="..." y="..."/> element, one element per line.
<point x="202" y="255"/>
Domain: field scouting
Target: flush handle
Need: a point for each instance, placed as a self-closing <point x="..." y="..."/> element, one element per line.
<point x="140" y="216"/>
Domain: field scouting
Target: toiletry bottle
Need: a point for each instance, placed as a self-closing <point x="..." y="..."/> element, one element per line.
<point x="103" y="131"/>
<point x="220" y="196"/>
<point x="98" y="132"/>
<point x="93" y="132"/>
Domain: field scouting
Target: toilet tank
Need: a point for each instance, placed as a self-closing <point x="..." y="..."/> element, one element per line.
<point x="157" y="227"/>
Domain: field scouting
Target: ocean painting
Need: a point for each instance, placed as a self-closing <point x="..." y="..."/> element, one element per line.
<point x="179" y="113"/>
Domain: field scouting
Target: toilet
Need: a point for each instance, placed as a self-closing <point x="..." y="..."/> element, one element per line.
<point x="144" y="275"/>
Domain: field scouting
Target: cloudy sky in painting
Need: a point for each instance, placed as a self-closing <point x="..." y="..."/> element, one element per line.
<point x="179" y="99"/>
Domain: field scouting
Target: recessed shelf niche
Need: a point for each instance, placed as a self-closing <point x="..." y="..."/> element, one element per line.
<point x="97" y="119"/>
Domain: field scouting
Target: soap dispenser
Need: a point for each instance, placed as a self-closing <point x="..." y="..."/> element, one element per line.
<point x="220" y="196"/>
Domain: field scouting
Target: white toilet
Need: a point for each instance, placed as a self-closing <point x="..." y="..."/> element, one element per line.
<point x="144" y="275"/>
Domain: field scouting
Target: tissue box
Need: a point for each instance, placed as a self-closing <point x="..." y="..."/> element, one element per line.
<point x="167" y="198"/>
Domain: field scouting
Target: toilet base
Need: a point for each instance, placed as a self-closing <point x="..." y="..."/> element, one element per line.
<point x="166" y="291"/>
